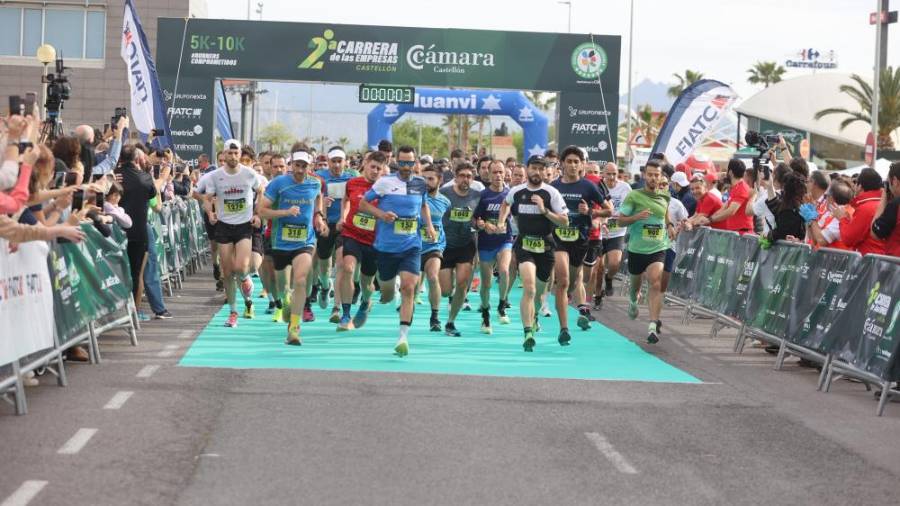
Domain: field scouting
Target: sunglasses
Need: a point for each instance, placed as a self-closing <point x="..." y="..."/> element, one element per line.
<point x="405" y="163"/>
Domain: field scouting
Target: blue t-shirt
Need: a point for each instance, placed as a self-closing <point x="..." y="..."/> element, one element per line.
<point x="335" y="187"/>
<point x="488" y="209"/>
<point x="437" y="205"/>
<point x="405" y="199"/>
<point x="291" y="233"/>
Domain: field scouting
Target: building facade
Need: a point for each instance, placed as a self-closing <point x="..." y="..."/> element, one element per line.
<point x="87" y="34"/>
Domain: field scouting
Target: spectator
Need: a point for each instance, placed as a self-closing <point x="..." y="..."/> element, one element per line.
<point x="733" y="214"/>
<point x="16" y="177"/>
<point x="888" y="213"/>
<point x="707" y="203"/>
<point x="856" y="228"/>
<point x="151" y="281"/>
<point x="181" y="183"/>
<point x="826" y="231"/>
<point x="769" y="188"/>
<point x="111" y="206"/>
<point x="817" y="187"/>
<point x="139" y="188"/>
<point x="202" y="161"/>
<point x="682" y="190"/>
<point x="789" y="224"/>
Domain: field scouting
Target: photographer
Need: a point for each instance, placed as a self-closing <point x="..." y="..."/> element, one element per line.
<point x="888" y="213"/>
<point x="181" y="183"/>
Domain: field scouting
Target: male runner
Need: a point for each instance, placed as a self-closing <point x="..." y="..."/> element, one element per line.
<point x="358" y="235"/>
<point x="538" y="209"/>
<point x="583" y="200"/>
<point x="277" y="166"/>
<point x="459" y="254"/>
<point x="233" y="186"/>
<point x="494" y="247"/>
<point x="401" y="200"/>
<point x="645" y="213"/>
<point x="613" y="239"/>
<point x="335" y="177"/>
<point x="294" y="204"/>
<point x="432" y="251"/>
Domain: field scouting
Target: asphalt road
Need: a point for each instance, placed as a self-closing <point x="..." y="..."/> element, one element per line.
<point x="193" y="436"/>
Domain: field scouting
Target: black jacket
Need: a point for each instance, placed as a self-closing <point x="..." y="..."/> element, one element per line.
<point x="139" y="189"/>
<point x="787" y="221"/>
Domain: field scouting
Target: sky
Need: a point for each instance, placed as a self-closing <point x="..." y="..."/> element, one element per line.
<point x="721" y="38"/>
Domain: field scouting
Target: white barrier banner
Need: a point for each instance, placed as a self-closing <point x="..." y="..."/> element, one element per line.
<point x="26" y="301"/>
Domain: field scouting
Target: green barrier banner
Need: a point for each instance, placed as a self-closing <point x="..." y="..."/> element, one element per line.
<point x="717" y="272"/>
<point x="864" y="328"/>
<point x="684" y="274"/>
<point x="778" y="272"/>
<point x="745" y="252"/>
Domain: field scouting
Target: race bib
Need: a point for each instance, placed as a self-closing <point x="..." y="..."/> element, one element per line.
<point x="233" y="206"/>
<point x="364" y="221"/>
<point x="461" y="214"/>
<point x="612" y="224"/>
<point x="294" y="233"/>
<point x="567" y="234"/>
<point x="654" y="233"/>
<point x="533" y="244"/>
<point x="424" y="233"/>
<point x="406" y="226"/>
<point x="337" y="190"/>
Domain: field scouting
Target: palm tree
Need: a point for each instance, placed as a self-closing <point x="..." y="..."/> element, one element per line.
<point x="649" y="122"/>
<point x="449" y="123"/>
<point x="321" y="141"/>
<point x="888" y="106"/>
<point x="765" y="72"/>
<point x="542" y="99"/>
<point x="689" y="78"/>
<point x="343" y="141"/>
<point x="479" y="120"/>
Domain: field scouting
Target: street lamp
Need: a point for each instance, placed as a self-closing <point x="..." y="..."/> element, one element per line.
<point x="569" y="3"/>
<point x="45" y="54"/>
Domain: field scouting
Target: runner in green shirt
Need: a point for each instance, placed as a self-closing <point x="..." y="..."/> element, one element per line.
<point x="645" y="212"/>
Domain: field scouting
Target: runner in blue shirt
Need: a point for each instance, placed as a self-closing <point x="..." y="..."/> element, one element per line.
<point x="401" y="200"/>
<point x="494" y="246"/>
<point x="438" y="204"/>
<point x="294" y="204"/>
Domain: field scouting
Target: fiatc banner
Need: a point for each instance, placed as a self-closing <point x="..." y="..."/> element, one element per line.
<point x="26" y="301"/>
<point x="865" y="333"/>
<point x="693" y="116"/>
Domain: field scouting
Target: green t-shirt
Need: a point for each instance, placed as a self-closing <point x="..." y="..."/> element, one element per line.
<point x="648" y="235"/>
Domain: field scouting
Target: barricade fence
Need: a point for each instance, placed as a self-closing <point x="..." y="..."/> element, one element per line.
<point x="828" y="306"/>
<point x="54" y="296"/>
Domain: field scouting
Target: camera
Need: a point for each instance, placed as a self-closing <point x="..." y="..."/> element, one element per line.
<point x="58" y="89"/>
<point x="762" y="143"/>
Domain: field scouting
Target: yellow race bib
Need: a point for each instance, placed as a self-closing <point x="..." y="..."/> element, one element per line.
<point x="533" y="244"/>
<point x="364" y="221"/>
<point x="461" y="214"/>
<point x="612" y="224"/>
<point x="294" y="233"/>
<point x="567" y="234"/>
<point x="405" y="226"/>
<point x="233" y="206"/>
<point x="424" y="233"/>
<point x="653" y="233"/>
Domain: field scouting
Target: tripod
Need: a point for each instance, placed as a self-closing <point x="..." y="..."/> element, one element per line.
<point x="51" y="129"/>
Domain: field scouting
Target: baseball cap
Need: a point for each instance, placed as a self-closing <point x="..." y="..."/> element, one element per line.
<point x="232" y="144"/>
<point x="680" y="179"/>
<point x="537" y="160"/>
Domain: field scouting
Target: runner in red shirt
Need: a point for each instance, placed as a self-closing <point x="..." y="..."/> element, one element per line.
<point x="733" y="216"/>
<point x="358" y="233"/>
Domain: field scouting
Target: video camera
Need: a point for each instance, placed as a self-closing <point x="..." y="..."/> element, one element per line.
<point x="58" y="89"/>
<point x="762" y="143"/>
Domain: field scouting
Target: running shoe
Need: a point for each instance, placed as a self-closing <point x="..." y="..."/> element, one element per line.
<point x="536" y="326"/>
<point x="271" y="308"/>
<point x="335" y="315"/>
<point x="247" y="288"/>
<point x="401" y="349"/>
<point x="286" y="310"/>
<point x="598" y="302"/>
<point x="419" y="300"/>
<point x="308" y="315"/>
<point x="486" y="321"/>
<point x="344" y="324"/>
<point x="653" y="332"/>
<point x="324" y="296"/>
<point x="450" y="330"/>
<point x="584" y="322"/>
<point x="142" y="317"/>
<point x="232" y="319"/>
<point x="277" y="314"/>
<point x="164" y="315"/>
<point x="263" y="293"/>
<point x="501" y="312"/>
<point x="632" y="309"/>
<point x="466" y="305"/>
<point x="293" y="338"/>
<point x="545" y="311"/>
<point x="529" y="342"/>
<point x="362" y="314"/>
<point x="220" y="285"/>
<point x="564" y="337"/>
<point x="435" y="325"/>
<point x="248" y="310"/>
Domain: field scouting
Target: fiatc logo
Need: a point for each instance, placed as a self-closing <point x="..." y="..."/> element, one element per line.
<point x="589" y="60"/>
<point x="367" y="55"/>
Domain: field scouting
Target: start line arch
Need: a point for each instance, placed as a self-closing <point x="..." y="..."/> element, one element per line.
<point x="477" y="102"/>
<point x="583" y="69"/>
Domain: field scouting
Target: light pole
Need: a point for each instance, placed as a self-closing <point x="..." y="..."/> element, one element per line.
<point x="45" y="54"/>
<point x="259" y="9"/>
<point x="630" y="52"/>
<point x="879" y="25"/>
<point x="569" y="4"/>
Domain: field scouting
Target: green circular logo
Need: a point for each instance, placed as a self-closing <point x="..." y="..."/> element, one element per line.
<point x="589" y="60"/>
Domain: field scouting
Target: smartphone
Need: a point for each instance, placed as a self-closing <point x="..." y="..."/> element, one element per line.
<point x="156" y="171"/>
<point x="30" y="99"/>
<point x="59" y="179"/>
<point x="15" y="104"/>
<point x="77" y="200"/>
<point x="99" y="199"/>
<point x="157" y="132"/>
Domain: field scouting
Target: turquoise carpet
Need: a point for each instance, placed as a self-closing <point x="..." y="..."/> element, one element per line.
<point x="597" y="354"/>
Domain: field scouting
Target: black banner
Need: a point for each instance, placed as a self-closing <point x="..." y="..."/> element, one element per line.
<point x="745" y="251"/>
<point x="778" y="272"/>
<point x="684" y="273"/>
<point x="718" y="272"/>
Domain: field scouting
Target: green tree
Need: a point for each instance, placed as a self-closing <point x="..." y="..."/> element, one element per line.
<point x="888" y="105"/>
<point x="542" y="99"/>
<point x="434" y="140"/>
<point x="321" y="141"/>
<point x="689" y="78"/>
<point x="649" y="122"/>
<point x="765" y="72"/>
<point x="276" y="137"/>
<point x="344" y="141"/>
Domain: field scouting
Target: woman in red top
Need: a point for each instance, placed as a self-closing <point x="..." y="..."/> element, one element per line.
<point x="856" y="229"/>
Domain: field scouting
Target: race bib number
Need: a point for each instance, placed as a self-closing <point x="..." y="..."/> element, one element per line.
<point x="612" y="224"/>
<point x="461" y="214"/>
<point x="654" y="233"/>
<point x="424" y="233"/>
<point x="235" y="205"/>
<point x="294" y="233"/>
<point x="567" y="234"/>
<point x="405" y="226"/>
<point x="533" y="244"/>
<point x="364" y="221"/>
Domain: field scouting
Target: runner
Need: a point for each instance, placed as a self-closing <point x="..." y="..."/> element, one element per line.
<point x="233" y="186"/>
<point x="592" y="258"/>
<point x="401" y="200"/>
<point x="583" y="200"/>
<point x="548" y="175"/>
<point x="358" y="235"/>
<point x="613" y="235"/>
<point x="494" y="247"/>
<point x="538" y="208"/>
<point x="645" y="213"/>
<point x="459" y="255"/>
<point x="210" y="228"/>
<point x="328" y="246"/>
<point x="294" y="204"/>
<point x="257" y="249"/>
<point x="277" y="167"/>
<point x="678" y="216"/>
<point x="432" y="251"/>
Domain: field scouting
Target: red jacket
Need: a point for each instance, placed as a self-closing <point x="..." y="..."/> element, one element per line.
<point x="856" y="230"/>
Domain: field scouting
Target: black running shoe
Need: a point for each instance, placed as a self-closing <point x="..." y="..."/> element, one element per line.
<point x="598" y="302"/>
<point x="450" y="330"/>
<point x="220" y="285"/>
<point x="564" y="337"/>
<point x="435" y="325"/>
<point x="653" y="332"/>
<point x="584" y="321"/>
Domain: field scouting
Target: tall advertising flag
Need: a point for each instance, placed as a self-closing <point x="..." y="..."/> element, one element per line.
<point x="693" y="116"/>
<point x="223" y="116"/>
<point x="147" y="105"/>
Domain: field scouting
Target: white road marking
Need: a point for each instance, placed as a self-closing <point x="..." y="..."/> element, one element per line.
<point x="77" y="442"/>
<point x="25" y="493"/>
<point x="610" y="453"/>
<point x="186" y="334"/>
<point x="147" y="371"/>
<point x="168" y="351"/>
<point x="118" y="400"/>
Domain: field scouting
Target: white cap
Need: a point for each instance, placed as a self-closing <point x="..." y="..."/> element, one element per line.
<point x="337" y="153"/>
<point x="680" y="179"/>
<point x="301" y="156"/>
<point x="232" y="144"/>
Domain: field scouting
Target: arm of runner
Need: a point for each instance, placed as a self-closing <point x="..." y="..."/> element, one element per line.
<point x="504" y="214"/>
<point x="627" y="214"/>
<point x="319" y="222"/>
<point x="429" y="227"/>
<point x="266" y="211"/>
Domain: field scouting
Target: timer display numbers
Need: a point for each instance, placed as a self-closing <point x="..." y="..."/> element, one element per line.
<point x="386" y="94"/>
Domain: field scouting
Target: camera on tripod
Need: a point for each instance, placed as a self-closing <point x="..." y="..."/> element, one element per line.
<point x="58" y="89"/>
<point x="762" y="143"/>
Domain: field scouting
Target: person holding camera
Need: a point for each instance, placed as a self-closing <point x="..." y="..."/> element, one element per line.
<point x="887" y="215"/>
